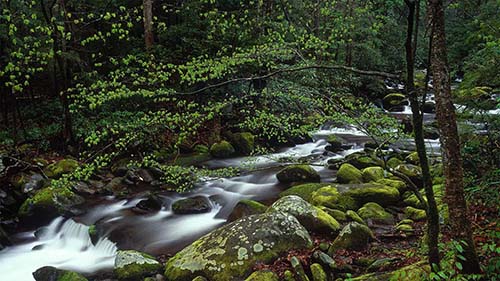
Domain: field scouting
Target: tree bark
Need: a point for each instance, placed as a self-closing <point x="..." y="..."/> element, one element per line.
<point x="148" y="23"/>
<point x="452" y="163"/>
<point x="417" y="118"/>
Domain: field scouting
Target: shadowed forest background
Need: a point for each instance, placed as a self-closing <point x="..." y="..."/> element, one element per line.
<point x="250" y="140"/>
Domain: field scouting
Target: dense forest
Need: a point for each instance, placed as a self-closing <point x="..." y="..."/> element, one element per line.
<point x="249" y="140"/>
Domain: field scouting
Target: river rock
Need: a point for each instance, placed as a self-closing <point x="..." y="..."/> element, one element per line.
<point x="222" y="149"/>
<point x="304" y="191"/>
<point x="361" y="160"/>
<point x="373" y="192"/>
<point x="372" y="174"/>
<point x="57" y="169"/>
<point x="329" y="196"/>
<point x="151" y="204"/>
<point x="192" y="205"/>
<point x="311" y="217"/>
<point x="50" y="201"/>
<point x="354" y="236"/>
<point x="244" y="143"/>
<point x="411" y="171"/>
<point x="50" y="273"/>
<point x="375" y="212"/>
<point x="298" y="173"/>
<point x="231" y="251"/>
<point x="349" y="174"/>
<point x="246" y="208"/>
<point x="263" y="275"/>
<point x="393" y="162"/>
<point x="134" y="265"/>
<point x="394" y="100"/>
<point x="335" y="143"/>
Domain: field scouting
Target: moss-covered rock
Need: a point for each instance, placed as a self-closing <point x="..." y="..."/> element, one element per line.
<point x="311" y="217"/>
<point x="244" y="143"/>
<point x="373" y="192"/>
<point x="405" y="228"/>
<point x="416" y="271"/>
<point x="232" y="250"/>
<point x="375" y="212"/>
<point x="246" y="208"/>
<point x="412" y="200"/>
<point x="222" y="149"/>
<point x="334" y="143"/>
<point x="49" y="273"/>
<point x="354" y="236"/>
<point x="329" y="196"/>
<point x="411" y="171"/>
<point x="317" y="272"/>
<point x="372" y="174"/>
<point x="349" y="174"/>
<point x="192" y="205"/>
<point x="298" y="269"/>
<point x="298" y="173"/>
<point x="57" y="169"/>
<point x="353" y="216"/>
<point x="362" y="161"/>
<point x="393" y="162"/>
<point x="414" y="213"/>
<point x="304" y="191"/>
<point x="263" y="275"/>
<point x="50" y="201"/>
<point x="133" y="265"/>
<point x="336" y="214"/>
<point x="412" y="158"/>
<point x="398" y="184"/>
<point x="393" y="100"/>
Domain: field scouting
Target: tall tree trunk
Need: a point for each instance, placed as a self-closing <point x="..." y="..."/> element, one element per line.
<point x="452" y="162"/>
<point x="148" y="23"/>
<point x="417" y="118"/>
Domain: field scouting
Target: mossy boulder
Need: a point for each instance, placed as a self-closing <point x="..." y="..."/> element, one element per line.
<point x="57" y="169"/>
<point x="393" y="162"/>
<point x="50" y="273"/>
<point x="416" y="271"/>
<point x="362" y="161"/>
<point x="336" y="214"/>
<point x="318" y="273"/>
<point x="411" y="171"/>
<point x="372" y="174"/>
<point x="349" y="174"/>
<point x="231" y="251"/>
<point x="412" y="158"/>
<point x="244" y="143"/>
<point x="329" y="196"/>
<point x="353" y="216"/>
<point x="354" y="236"/>
<point x="298" y="173"/>
<point x="412" y="200"/>
<point x="222" y="149"/>
<point x="398" y="184"/>
<point x="263" y="275"/>
<point x="246" y="208"/>
<point x="334" y="143"/>
<point x="304" y="191"/>
<point x="192" y="205"/>
<point x="415" y="214"/>
<point x="373" y="192"/>
<point x="311" y="217"/>
<point x="375" y="212"/>
<point x="133" y="265"/>
<point x="50" y="201"/>
<point x="394" y="100"/>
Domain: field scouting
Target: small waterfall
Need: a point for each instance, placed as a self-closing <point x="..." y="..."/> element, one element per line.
<point x="64" y="244"/>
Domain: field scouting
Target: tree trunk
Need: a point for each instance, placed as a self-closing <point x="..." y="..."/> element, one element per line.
<point x="417" y="116"/>
<point x="452" y="163"/>
<point x="148" y="23"/>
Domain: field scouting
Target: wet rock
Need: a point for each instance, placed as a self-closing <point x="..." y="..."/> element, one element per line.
<point x="49" y="273"/>
<point x="151" y="204"/>
<point x="192" y="205"/>
<point x="393" y="100"/>
<point x="311" y="217"/>
<point x="429" y="107"/>
<point x="317" y="272"/>
<point x="50" y="201"/>
<point x="349" y="174"/>
<point x="232" y="250"/>
<point x="298" y="173"/>
<point x="375" y="212"/>
<point x="373" y="174"/>
<point x="222" y="149"/>
<point x="244" y="143"/>
<point x="57" y="169"/>
<point x="34" y="182"/>
<point x="335" y="143"/>
<point x="263" y="275"/>
<point x="133" y="265"/>
<point x="373" y="192"/>
<point x="329" y="196"/>
<point x="82" y="187"/>
<point x="354" y="236"/>
<point x="304" y="191"/>
<point x="246" y="208"/>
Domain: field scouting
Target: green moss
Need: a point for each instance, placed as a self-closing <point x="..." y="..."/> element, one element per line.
<point x="393" y="99"/>
<point x="262" y="275"/>
<point x="405" y="228"/>
<point x="191" y="159"/>
<point x="222" y="149"/>
<point x="71" y="276"/>
<point x="244" y="142"/>
<point x="329" y="196"/>
<point x="399" y="185"/>
<point x="372" y="174"/>
<point x="412" y="158"/>
<point x="50" y="198"/>
<point x="298" y="173"/>
<point x="303" y="190"/>
<point x="336" y="214"/>
<point x="133" y="265"/>
<point x="354" y="236"/>
<point x="317" y="272"/>
<point x="375" y="212"/>
<point x="409" y="170"/>
<point x="57" y="169"/>
<point x="416" y="271"/>
<point x="349" y="174"/>
<point x="393" y="162"/>
<point x="373" y="192"/>
<point x="414" y="213"/>
<point x="413" y="201"/>
<point x="353" y="216"/>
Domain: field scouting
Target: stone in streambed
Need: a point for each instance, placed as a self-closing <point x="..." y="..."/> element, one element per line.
<point x="50" y="273"/>
<point x="373" y="192"/>
<point x="298" y="173"/>
<point x="133" y="265"/>
<point x="304" y="191"/>
<point x="244" y="143"/>
<point x="222" y="149"/>
<point x="50" y="201"/>
<point x="231" y="251"/>
<point x="246" y="208"/>
<point x="372" y="174"/>
<point x="349" y="174"/>
<point x="57" y="169"/>
<point x="329" y="196"/>
<point x="192" y="205"/>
